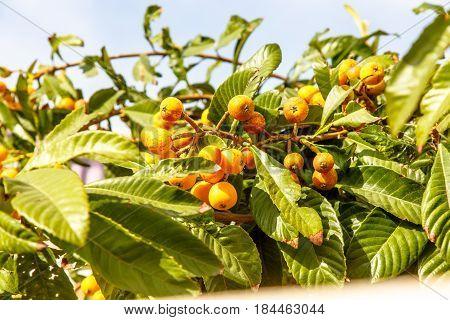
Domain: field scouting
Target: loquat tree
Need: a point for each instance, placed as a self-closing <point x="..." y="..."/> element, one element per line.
<point x="340" y="171"/>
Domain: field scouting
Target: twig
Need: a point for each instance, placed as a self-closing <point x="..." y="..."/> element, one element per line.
<point x="192" y="123"/>
<point x="222" y="120"/>
<point x="229" y="217"/>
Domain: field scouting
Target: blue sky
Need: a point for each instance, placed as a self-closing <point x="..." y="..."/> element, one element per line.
<point x="118" y="26"/>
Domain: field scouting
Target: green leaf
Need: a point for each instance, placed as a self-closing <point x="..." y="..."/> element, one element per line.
<point x="47" y="281"/>
<point x="334" y="99"/>
<point x="16" y="238"/>
<point x="54" y="200"/>
<point x="102" y="145"/>
<point x="372" y="158"/>
<point x="385" y="189"/>
<point x="52" y="88"/>
<point x="435" y="103"/>
<point x="285" y="193"/>
<point x="436" y="202"/>
<point x="412" y="74"/>
<point x="271" y="259"/>
<point x="236" y="84"/>
<point x="264" y="61"/>
<point x="131" y="264"/>
<point x="9" y="121"/>
<point x="234" y="30"/>
<point x="381" y="248"/>
<point x="65" y="40"/>
<point x="267" y="216"/>
<point x="102" y="102"/>
<point x="179" y="167"/>
<point x="268" y="104"/>
<point x="237" y="251"/>
<point x="143" y="71"/>
<point x="9" y="281"/>
<point x="161" y="232"/>
<point x="197" y="45"/>
<point x="322" y="74"/>
<point x="433" y="267"/>
<point x="151" y="192"/>
<point x="312" y="265"/>
<point x="429" y="6"/>
<point x="351" y="216"/>
<point x="355" y="119"/>
<point x="153" y="12"/>
<point x="142" y="112"/>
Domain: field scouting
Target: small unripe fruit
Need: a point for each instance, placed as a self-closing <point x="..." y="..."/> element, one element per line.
<point x="9" y="173"/>
<point x="171" y="109"/>
<point x="204" y="118"/>
<point x="98" y="296"/>
<point x="256" y="124"/>
<point x="307" y="92"/>
<point x="375" y="89"/>
<point x="324" y="180"/>
<point x="80" y="103"/>
<point x="66" y="103"/>
<point x="372" y="73"/>
<point x="159" y="122"/>
<point x="213" y="177"/>
<point x="184" y="183"/>
<point x="3" y="153"/>
<point x="249" y="160"/>
<point x="294" y="161"/>
<point x="222" y="196"/>
<point x="323" y="162"/>
<point x="201" y="191"/>
<point x="182" y="142"/>
<point x="295" y="110"/>
<point x="317" y="100"/>
<point x="348" y="70"/>
<point x="211" y="153"/>
<point x="232" y="161"/>
<point x="89" y="285"/>
<point x="157" y="140"/>
<point x="241" y="107"/>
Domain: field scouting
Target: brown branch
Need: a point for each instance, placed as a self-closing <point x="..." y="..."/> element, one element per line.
<point x="229" y="217"/>
<point x="192" y="123"/>
<point x="146" y="53"/>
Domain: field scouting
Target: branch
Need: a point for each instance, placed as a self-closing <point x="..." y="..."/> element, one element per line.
<point x="146" y="53"/>
<point x="229" y="217"/>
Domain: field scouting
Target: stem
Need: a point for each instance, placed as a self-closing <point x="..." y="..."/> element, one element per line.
<point x="229" y="217"/>
<point x="234" y="125"/>
<point x="309" y="145"/>
<point x="222" y="120"/>
<point x="192" y="123"/>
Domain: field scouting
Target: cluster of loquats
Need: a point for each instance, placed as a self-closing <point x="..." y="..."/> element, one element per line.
<point x="213" y="188"/>
<point x="91" y="289"/>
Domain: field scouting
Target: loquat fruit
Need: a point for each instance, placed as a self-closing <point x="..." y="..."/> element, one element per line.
<point x="151" y="158"/>
<point x="375" y="89"/>
<point x="89" y="285"/>
<point x="295" y="178"/>
<point x="249" y="160"/>
<point x="157" y="140"/>
<point x="171" y="109"/>
<point x="3" y="153"/>
<point x="372" y="73"/>
<point x="213" y="177"/>
<point x="211" y="153"/>
<point x="182" y="142"/>
<point x="295" y="110"/>
<point x="66" y="103"/>
<point x="3" y="87"/>
<point x="80" y="103"/>
<point x="256" y="124"/>
<point x="98" y="296"/>
<point x="159" y="122"/>
<point x="307" y="92"/>
<point x="294" y="161"/>
<point x="241" y="107"/>
<point x="232" y="161"/>
<point x="204" y="118"/>
<point x="222" y="196"/>
<point x="348" y="70"/>
<point x="317" y="100"/>
<point x="324" y="180"/>
<point x="323" y="162"/>
<point x="184" y="183"/>
<point x="201" y="190"/>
